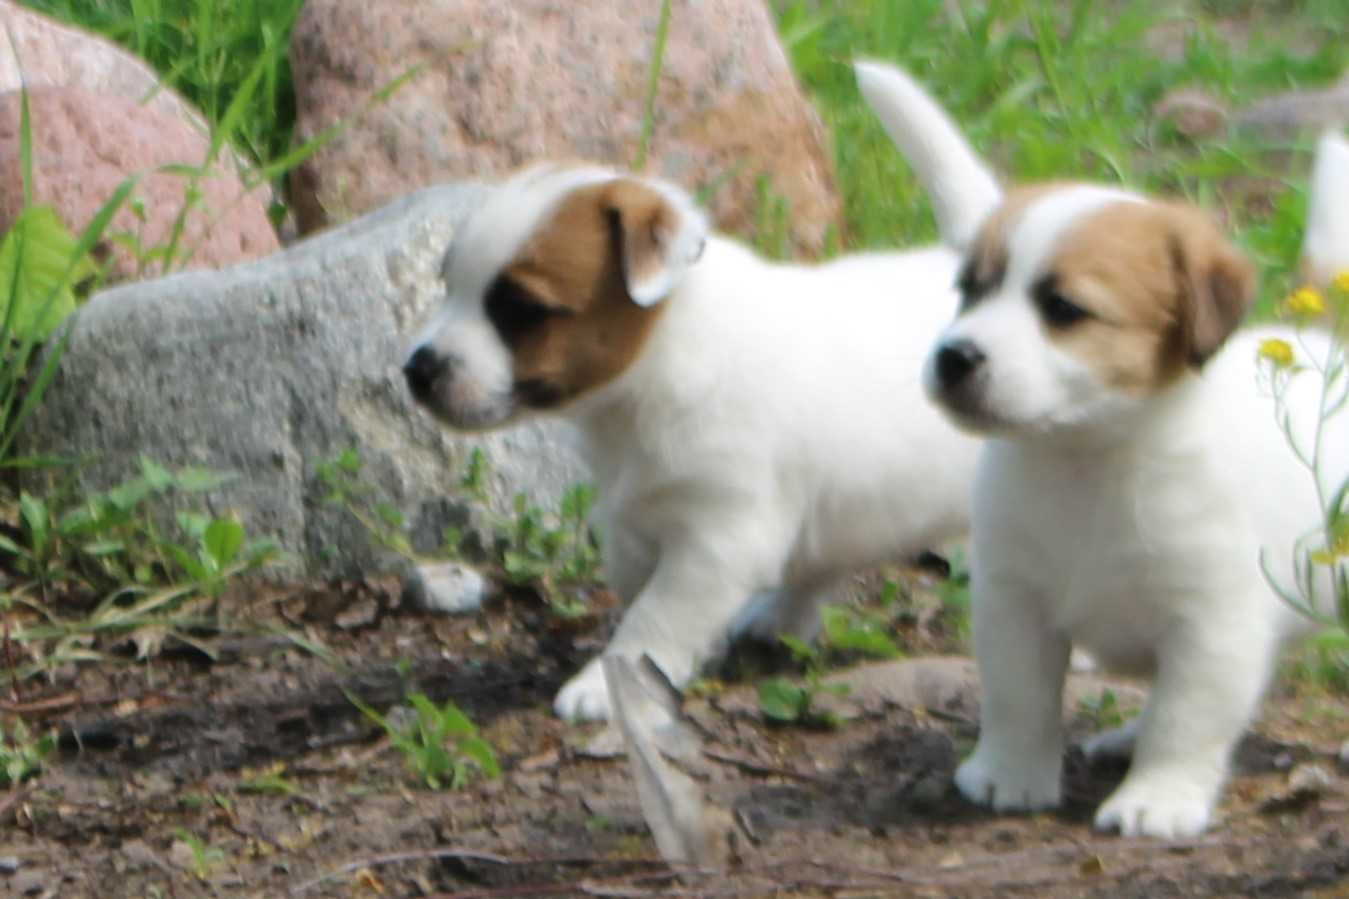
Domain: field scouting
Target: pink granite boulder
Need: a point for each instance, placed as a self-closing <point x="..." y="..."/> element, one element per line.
<point x="507" y="83"/>
<point x="85" y="144"/>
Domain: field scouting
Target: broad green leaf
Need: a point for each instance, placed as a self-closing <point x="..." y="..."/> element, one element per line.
<point x="157" y="476"/>
<point x="36" y="258"/>
<point x="222" y="540"/>
<point x="782" y="700"/>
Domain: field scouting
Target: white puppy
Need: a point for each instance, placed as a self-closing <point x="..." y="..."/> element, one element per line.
<point x="757" y="430"/>
<point x="1133" y="475"/>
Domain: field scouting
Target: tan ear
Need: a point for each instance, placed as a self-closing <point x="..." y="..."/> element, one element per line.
<point x="1216" y="285"/>
<point x="659" y="234"/>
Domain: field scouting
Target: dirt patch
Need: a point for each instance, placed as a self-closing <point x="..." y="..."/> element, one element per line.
<point x="156" y="790"/>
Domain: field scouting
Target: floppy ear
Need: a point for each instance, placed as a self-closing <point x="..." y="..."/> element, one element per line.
<point x="1215" y="283"/>
<point x="659" y="234"/>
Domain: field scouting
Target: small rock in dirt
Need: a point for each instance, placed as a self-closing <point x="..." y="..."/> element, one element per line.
<point x="448" y="587"/>
<point x="8" y="864"/>
<point x="1306" y="784"/>
<point x="1301" y="110"/>
<point x="1344" y="755"/>
<point x="1192" y="112"/>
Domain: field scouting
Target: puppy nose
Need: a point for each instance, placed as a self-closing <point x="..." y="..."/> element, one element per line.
<point x="422" y="369"/>
<point x="956" y="361"/>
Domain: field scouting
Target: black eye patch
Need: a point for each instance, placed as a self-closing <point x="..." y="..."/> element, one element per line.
<point x="514" y="311"/>
<point x="1055" y="307"/>
<point x="973" y="285"/>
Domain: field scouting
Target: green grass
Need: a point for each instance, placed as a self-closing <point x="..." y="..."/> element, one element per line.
<point x="1059" y="90"/>
<point x="207" y="50"/>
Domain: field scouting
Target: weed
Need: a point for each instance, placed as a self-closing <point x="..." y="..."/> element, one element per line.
<point x="22" y="752"/>
<point x="653" y="86"/>
<point x="857" y="632"/>
<point x="954" y="593"/>
<point x="1322" y="662"/>
<point x="1102" y="710"/>
<point x="205" y="857"/>
<point x="440" y="745"/>
<point x="145" y="584"/>
<point x="1320" y="557"/>
<point x="270" y="781"/>
<point x="786" y="702"/>
<point x="554" y="554"/>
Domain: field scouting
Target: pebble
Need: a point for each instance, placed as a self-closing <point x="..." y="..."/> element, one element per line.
<point x="449" y="587"/>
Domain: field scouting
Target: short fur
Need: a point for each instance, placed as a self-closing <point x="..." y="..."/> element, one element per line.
<point x="1135" y="472"/>
<point x="757" y="430"/>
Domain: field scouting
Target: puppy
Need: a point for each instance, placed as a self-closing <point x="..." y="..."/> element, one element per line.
<point x="1134" y="473"/>
<point x="739" y="416"/>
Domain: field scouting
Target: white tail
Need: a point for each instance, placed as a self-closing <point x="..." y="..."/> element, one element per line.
<point x="1325" y="243"/>
<point x="962" y="189"/>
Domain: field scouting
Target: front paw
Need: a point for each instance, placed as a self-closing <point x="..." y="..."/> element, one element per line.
<point x="1156" y="807"/>
<point x="585" y="697"/>
<point x="1011" y="785"/>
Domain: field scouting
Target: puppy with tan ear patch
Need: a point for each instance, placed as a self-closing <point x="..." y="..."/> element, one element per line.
<point x="1133" y="474"/>
<point x="738" y="415"/>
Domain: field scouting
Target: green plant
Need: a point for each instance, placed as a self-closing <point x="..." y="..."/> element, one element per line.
<point x="1321" y="555"/>
<point x="440" y="745"/>
<point x="22" y="752"/>
<point x="205" y="858"/>
<point x="784" y="701"/>
<point x="857" y="632"/>
<point x="653" y="86"/>
<point x="1102" y="710"/>
<point x="954" y="593"/>
<point x="110" y="548"/>
<point x="553" y="553"/>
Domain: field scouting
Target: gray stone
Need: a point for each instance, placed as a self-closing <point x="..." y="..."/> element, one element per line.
<point x="270" y="368"/>
<point x="448" y="587"/>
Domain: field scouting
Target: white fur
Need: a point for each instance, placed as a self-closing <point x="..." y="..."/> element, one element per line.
<point x="1325" y="247"/>
<point x="1131" y="526"/>
<point x="771" y="437"/>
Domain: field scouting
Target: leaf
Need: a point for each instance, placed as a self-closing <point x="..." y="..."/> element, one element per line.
<point x="222" y="540"/>
<point x="38" y="260"/>
<point x="156" y="476"/>
<point x="129" y="495"/>
<point x="851" y="633"/>
<point x="801" y="650"/>
<point x="481" y="752"/>
<point x="36" y="518"/>
<point x="781" y="700"/>
<point x="198" y="480"/>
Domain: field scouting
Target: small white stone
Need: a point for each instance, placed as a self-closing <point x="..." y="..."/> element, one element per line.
<point x="1344" y="755"/>
<point x="449" y="587"/>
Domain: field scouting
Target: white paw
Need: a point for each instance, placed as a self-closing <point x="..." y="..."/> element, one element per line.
<point x="1027" y="785"/>
<point x="585" y="697"/>
<point x="1155" y="807"/>
<point x="1117" y="743"/>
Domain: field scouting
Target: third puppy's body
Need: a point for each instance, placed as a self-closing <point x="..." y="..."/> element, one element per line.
<point x="1134" y="472"/>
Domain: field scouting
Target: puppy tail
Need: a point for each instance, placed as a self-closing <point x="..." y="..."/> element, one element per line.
<point x="962" y="189"/>
<point x="1325" y="242"/>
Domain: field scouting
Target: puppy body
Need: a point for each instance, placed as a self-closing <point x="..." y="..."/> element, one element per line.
<point x="1133" y="475"/>
<point x="746" y="444"/>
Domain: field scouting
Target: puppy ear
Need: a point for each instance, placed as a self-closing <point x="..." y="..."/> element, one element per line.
<point x="659" y="235"/>
<point x="1216" y="286"/>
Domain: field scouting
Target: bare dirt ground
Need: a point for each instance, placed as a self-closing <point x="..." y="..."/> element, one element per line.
<point x="253" y="775"/>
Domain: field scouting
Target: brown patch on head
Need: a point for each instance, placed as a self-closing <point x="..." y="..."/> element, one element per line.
<point x="562" y="305"/>
<point x="986" y="262"/>
<point x="1161" y="286"/>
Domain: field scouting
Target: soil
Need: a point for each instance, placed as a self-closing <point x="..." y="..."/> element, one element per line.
<point x="253" y="775"/>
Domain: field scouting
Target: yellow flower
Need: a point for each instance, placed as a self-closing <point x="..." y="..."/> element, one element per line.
<point x="1306" y="302"/>
<point x="1341" y="282"/>
<point x="1277" y="351"/>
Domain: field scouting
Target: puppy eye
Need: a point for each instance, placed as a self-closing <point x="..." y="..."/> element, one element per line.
<point x="514" y="311"/>
<point x="1058" y="311"/>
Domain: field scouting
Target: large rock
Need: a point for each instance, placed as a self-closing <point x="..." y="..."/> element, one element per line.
<point x="506" y="83"/>
<point x="272" y="367"/>
<point x="50" y="54"/>
<point x="86" y="144"/>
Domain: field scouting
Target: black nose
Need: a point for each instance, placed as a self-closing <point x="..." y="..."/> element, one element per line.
<point x="422" y="369"/>
<point x="956" y="361"/>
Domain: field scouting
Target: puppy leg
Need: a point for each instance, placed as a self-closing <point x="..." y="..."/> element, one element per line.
<point x="792" y="610"/>
<point x="681" y="618"/>
<point x="1018" y="761"/>
<point x="1207" y="688"/>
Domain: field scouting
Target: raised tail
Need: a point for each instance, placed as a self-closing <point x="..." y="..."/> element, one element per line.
<point x="1325" y="242"/>
<point x="962" y="189"/>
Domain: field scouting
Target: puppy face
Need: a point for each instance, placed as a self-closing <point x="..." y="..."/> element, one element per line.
<point x="1080" y="303"/>
<point x="552" y="289"/>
